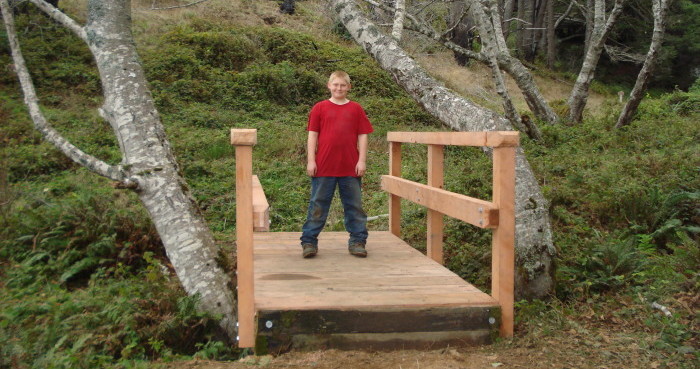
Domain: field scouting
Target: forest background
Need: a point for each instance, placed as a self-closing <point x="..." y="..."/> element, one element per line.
<point x="83" y="277"/>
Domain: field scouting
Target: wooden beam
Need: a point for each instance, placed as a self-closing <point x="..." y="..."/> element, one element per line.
<point x="480" y="213"/>
<point x="502" y="139"/>
<point x="439" y="138"/>
<point x="395" y="201"/>
<point x="491" y="138"/>
<point x="435" y="219"/>
<point x="244" y="139"/>
<point x="261" y="208"/>
<point x="503" y="241"/>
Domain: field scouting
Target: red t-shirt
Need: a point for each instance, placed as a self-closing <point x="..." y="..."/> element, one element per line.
<point x="338" y="127"/>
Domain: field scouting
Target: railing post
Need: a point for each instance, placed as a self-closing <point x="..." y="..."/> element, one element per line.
<point x="503" y="241"/>
<point x="244" y="139"/>
<point x="435" y="218"/>
<point x="395" y="201"/>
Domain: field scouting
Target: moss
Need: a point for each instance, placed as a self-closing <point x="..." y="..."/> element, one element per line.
<point x="261" y="347"/>
<point x="289" y="318"/>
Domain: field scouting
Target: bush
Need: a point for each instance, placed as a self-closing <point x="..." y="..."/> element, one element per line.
<point x="226" y="50"/>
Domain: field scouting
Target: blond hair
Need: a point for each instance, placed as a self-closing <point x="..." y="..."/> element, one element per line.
<point x="339" y="74"/>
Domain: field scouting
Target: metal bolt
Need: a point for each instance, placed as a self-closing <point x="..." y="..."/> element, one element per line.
<point x="481" y="210"/>
<point x="268" y="324"/>
<point x="492" y="320"/>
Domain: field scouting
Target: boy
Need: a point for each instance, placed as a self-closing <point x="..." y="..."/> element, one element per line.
<point x="337" y="155"/>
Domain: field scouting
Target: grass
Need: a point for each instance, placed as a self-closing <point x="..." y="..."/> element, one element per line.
<point x="84" y="281"/>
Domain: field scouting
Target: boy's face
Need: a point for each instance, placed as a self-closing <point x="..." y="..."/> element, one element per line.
<point x="339" y="88"/>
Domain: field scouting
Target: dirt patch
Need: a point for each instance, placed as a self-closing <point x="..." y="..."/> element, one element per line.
<point x="575" y="347"/>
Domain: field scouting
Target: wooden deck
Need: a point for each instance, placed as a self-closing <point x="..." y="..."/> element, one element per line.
<point x="394" y="298"/>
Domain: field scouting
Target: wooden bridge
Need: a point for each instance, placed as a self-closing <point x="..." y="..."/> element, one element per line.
<point x="396" y="297"/>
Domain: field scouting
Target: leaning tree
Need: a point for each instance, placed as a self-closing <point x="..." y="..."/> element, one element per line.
<point x="148" y="166"/>
<point x="534" y="247"/>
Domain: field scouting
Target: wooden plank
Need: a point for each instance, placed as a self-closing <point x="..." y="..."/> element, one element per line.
<point x="244" y="246"/>
<point x="244" y="137"/>
<point x="394" y="275"/>
<point x="277" y="344"/>
<point x="261" y="208"/>
<point x="375" y="321"/>
<point x="503" y="241"/>
<point x="436" y="155"/>
<point x="394" y="300"/>
<point x="395" y="201"/>
<point x="502" y="139"/>
<point x="439" y="138"/>
<point x="392" y="341"/>
<point x="278" y="280"/>
<point x="490" y="138"/>
<point x="480" y="213"/>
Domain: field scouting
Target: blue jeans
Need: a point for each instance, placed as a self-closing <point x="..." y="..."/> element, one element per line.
<point x="322" y="190"/>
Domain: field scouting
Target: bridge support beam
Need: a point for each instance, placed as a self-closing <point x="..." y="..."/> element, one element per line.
<point x="244" y="140"/>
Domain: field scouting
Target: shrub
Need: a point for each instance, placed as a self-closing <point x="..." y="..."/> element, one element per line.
<point x="221" y="49"/>
<point x="281" y="83"/>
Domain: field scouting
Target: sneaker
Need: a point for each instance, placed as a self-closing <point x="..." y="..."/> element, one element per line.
<point x="357" y="249"/>
<point x="308" y="250"/>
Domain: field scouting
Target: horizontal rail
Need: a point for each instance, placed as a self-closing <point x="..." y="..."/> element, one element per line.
<point x="477" y="212"/>
<point x="261" y="208"/>
<point x="490" y="139"/>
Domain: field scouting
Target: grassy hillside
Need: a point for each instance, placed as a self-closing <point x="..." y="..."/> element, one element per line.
<point x="83" y="278"/>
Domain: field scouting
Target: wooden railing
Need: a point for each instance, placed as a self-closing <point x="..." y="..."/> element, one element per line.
<point x="498" y="214"/>
<point x="252" y="214"/>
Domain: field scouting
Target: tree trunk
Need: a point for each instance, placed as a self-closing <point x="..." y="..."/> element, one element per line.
<point x="462" y="34"/>
<point x="551" y="36"/>
<point x="508" y="6"/>
<point x="538" y="34"/>
<point x="660" y="9"/>
<point x="589" y="14"/>
<point x="579" y="93"/>
<point x="488" y="30"/>
<point x="534" y="246"/>
<point x="399" y="16"/>
<point x="520" y="36"/>
<point x="147" y="165"/>
<point x="535" y="101"/>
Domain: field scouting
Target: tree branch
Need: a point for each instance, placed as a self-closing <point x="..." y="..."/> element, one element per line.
<point x="614" y="14"/>
<point x="60" y="17"/>
<point x="50" y="134"/>
<point x="461" y="17"/>
<point x="563" y="16"/>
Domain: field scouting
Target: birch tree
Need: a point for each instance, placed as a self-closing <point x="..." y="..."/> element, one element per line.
<point x="601" y="28"/>
<point x="534" y="248"/>
<point x="148" y="166"/>
<point x="660" y="10"/>
<point x="522" y="77"/>
<point x="399" y="16"/>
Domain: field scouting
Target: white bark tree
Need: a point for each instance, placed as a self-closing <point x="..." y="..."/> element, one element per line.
<point x="534" y="99"/>
<point x="399" y="16"/>
<point x="148" y="165"/>
<point x="660" y="10"/>
<point x="601" y="28"/>
<point x="534" y="248"/>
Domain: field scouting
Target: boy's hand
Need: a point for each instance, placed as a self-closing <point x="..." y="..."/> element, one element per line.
<point x="311" y="168"/>
<point x="360" y="168"/>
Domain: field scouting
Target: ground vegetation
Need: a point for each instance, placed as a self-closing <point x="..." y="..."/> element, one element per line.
<point x="84" y="281"/>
